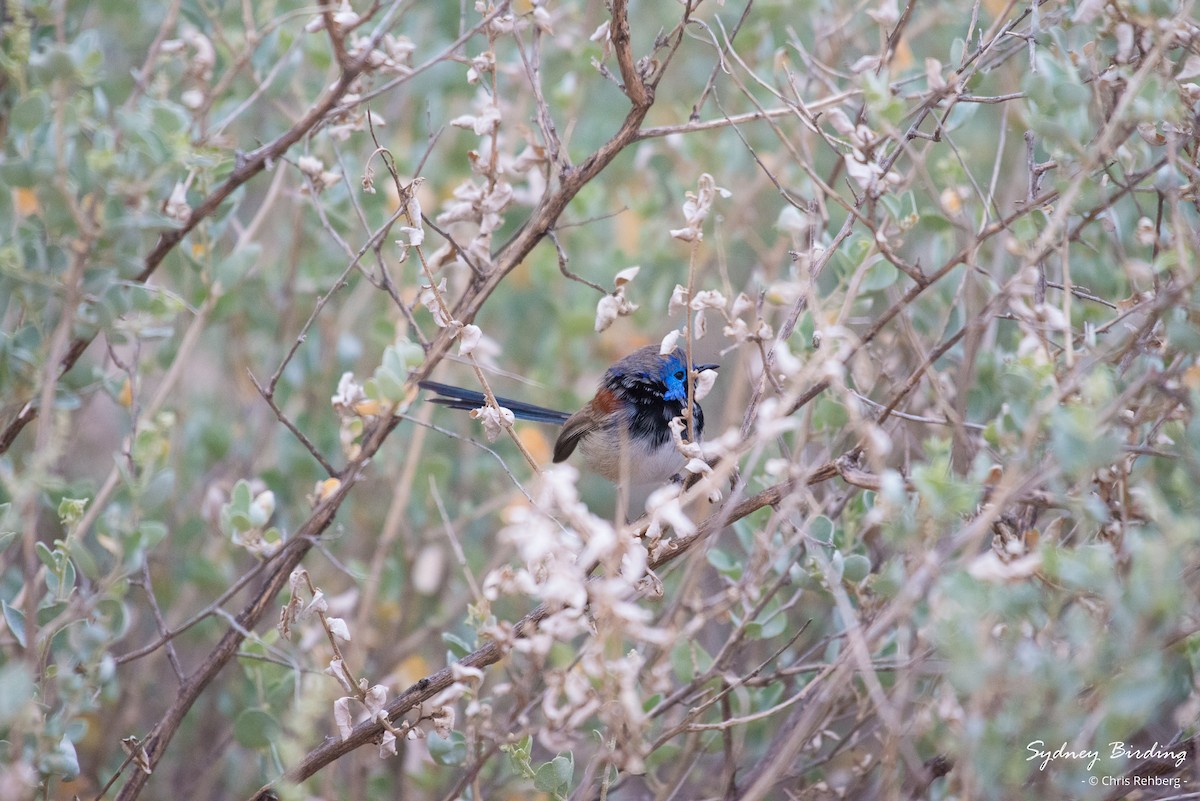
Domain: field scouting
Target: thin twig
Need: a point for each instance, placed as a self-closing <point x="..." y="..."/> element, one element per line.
<point x="330" y="470"/>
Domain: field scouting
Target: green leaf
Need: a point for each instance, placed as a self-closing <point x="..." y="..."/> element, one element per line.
<point x="689" y="659"/>
<point x="820" y="528"/>
<point x="240" y="521"/>
<point x="114" y="616"/>
<point x="946" y="496"/>
<point x="853" y="253"/>
<point x="152" y="533"/>
<point x="856" y="567"/>
<point x="17" y="689"/>
<point x="53" y="64"/>
<point x="20" y="174"/>
<point x="448" y="751"/>
<point x="391" y="388"/>
<point x="62" y="582"/>
<point x="667" y="754"/>
<point x="555" y="776"/>
<point x="829" y="414"/>
<point x="70" y="510"/>
<point x="231" y="270"/>
<point x="880" y="275"/>
<point x="280" y="683"/>
<point x="50" y="611"/>
<point x="882" y="104"/>
<point x="256" y="728"/>
<point x="957" y="48"/>
<point x="837" y="567"/>
<point x="724" y="564"/>
<point x="239" y="499"/>
<point x="30" y="112"/>
<point x="769" y="624"/>
<point x="62" y="761"/>
<point x="15" y="621"/>
<point x="47" y="556"/>
<point x="458" y="646"/>
<point x="768" y="696"/>
<point x="1078" y="443"/>
<point x="393" y="362"/>
<point x="80" y="556"/>
<point x="518" y="754"/>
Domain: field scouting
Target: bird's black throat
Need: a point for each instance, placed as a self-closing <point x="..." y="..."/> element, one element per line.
<point x="651" y="413"/>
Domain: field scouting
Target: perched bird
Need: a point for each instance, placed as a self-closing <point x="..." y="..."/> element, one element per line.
<point x="638" y="396"/>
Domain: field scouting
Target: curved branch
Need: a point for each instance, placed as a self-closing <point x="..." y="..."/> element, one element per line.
<point x="635" y="88"/>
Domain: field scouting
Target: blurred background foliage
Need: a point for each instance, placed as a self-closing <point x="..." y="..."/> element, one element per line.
<point x="1023" y="567"/>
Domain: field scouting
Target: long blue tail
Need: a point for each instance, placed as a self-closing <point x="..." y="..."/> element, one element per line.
<point x="459" y="398"/>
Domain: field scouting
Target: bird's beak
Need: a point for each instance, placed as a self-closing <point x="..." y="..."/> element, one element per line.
<point x="700" y="368"/>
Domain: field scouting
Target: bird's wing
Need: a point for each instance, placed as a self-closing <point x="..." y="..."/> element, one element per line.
<point x="459" y="398"/>
<point x="580" y="424"/>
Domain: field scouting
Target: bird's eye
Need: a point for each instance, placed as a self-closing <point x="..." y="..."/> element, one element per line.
<point x="678" y="375"/>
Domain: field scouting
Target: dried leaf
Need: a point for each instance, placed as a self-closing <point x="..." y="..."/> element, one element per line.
<point x="840" y="121"/>
<point x="612" y="306"/>
<point x="468" y="339"/>
<point x="625" y="276"/>
<point x="933" y="74"/>
<point x="886" y="15"/>
<point x="177" y="207"/>
<point x="989" y="567"/>
<point x="429" y="299"/>
<point x="342" y="716"/>
<point x="494" y="422"/>
<point x="339" y="629"/>
<point x="741" y="304"/>
<point x="707" y="299"/>
<point x="678" y="300"/>
<point x="310" y="166"/>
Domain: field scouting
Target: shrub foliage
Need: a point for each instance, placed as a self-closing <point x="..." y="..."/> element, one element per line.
<point x="941" y="537"/>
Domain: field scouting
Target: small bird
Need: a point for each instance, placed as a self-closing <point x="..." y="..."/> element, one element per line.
<point x="638" y="396"/>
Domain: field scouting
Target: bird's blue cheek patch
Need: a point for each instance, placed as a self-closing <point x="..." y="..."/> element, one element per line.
<point x="673" y="376"/>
